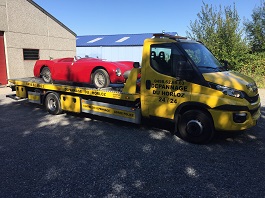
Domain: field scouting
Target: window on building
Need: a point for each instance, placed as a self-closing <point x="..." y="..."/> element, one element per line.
<point x="31" y="54"/>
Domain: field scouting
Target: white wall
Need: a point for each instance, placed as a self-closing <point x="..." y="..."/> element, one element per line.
<point x="130" y="53"/>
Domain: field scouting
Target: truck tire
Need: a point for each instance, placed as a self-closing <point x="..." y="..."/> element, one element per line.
<point x="53" y="104"/>
<point x="196" y="126"/>
<point x="101" y="78"/>
<point x="46" y="75"/>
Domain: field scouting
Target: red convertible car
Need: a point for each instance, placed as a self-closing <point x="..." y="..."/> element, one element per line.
<point x="84" y="70"/>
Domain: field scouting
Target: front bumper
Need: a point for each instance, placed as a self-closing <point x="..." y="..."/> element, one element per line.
<point x="230" y="120"/>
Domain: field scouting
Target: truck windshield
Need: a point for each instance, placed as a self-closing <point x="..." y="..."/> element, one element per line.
<point x="203" y="58"/>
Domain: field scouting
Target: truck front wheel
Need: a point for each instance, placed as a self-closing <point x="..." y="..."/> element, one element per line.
<point x="52" y="104"/>
<point x="196" y="126"/>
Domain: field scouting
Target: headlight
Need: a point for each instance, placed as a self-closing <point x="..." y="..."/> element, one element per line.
<point x="252" y="87"/>
<point x="118" y="72"/>
<point x="230" y="91"/>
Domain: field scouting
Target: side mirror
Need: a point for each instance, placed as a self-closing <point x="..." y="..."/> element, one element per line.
<point x="225" y="63"/>
<point x="136" y="65"/>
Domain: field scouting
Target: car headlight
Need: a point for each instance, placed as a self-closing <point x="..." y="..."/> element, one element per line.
<point x="230" y="91"/>
<point x="118" y="72"/>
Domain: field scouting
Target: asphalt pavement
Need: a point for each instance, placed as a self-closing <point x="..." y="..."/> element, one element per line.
<point x="43" y="155"/>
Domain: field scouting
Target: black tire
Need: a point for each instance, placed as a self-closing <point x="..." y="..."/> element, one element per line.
<point x="52" y="104"/>
<point x="196" y="126"/>
<point x="101" y="78"/>
<point x="46" y="75"/>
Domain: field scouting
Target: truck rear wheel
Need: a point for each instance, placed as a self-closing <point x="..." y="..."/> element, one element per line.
<point x="52" y="104"/>
<point x="196" y="126"/>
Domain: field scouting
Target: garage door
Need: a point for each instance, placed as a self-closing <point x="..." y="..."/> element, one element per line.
<point x="3" y="76"/>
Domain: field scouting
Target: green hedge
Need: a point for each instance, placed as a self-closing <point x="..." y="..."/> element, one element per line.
<point x="253" y="65"/>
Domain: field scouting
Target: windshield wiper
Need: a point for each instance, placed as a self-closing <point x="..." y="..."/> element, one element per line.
<point x="208" y="67"/>
<point x="217" y="69"/>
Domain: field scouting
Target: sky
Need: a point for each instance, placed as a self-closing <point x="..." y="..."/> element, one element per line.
<point x="105" y="17"/>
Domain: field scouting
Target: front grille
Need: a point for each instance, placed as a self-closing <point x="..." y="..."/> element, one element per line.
<point x="253" y="111"/>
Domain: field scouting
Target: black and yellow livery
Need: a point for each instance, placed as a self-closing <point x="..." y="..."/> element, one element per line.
<point x="180" y="80"/>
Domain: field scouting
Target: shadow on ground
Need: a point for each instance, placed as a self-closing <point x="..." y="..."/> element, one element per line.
<point x="88" y="156"/>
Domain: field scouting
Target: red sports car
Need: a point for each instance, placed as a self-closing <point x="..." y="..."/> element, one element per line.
<point x="94" y="71"/>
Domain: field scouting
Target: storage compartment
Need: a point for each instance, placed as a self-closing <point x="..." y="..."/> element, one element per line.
<point x="21" y="92"/>
<point x="71" y="103"/>
<point x="34" y="97"/>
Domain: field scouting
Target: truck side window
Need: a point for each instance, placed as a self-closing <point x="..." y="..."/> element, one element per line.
<point x="165" y="59"/>
<point x="159" y="59"/>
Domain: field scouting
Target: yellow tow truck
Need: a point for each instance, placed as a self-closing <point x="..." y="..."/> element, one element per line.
<point x="180" y="81"/>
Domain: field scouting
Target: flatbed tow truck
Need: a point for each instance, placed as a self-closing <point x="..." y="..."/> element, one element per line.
<point x="180" y="81"/>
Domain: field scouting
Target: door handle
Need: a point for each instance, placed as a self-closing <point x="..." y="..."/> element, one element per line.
<point x="148" y="84"/>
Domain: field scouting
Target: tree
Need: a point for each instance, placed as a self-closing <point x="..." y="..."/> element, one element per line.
<point x="255" y="29"/>
<point x="219" y="30"/>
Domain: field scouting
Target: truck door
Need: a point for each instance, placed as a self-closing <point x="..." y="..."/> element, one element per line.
<point x="163" y="90"/>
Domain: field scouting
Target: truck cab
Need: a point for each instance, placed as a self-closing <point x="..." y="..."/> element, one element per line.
<point x="181" y="80"/>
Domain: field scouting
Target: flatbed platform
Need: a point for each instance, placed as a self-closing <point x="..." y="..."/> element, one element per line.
<point x="108" y="92"/>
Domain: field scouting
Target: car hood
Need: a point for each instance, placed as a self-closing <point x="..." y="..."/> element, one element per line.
<point x="124" y="66"/>
<point x="234" y="80"/>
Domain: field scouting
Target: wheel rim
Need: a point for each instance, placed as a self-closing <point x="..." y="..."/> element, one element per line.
<point x="46" y="75"/>
<point x="100" y="80"/>
<point x="194" y="128"/>
<point x="52" y="105"/>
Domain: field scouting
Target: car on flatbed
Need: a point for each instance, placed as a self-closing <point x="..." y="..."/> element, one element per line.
<point x="94" y="71"/>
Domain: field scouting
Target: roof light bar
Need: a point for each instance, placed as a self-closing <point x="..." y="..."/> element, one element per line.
<point x="161" y="35"/>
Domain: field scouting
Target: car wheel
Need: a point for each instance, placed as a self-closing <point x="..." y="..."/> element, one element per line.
<point x="196" y="126"/>
<point x="101" y="78"/>
<point x="46" y="75"/>
<point x="52" y="104"/>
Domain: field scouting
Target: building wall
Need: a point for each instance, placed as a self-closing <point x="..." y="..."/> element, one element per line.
<point x="27" y="27"/>
<point x="121" y="53"/>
